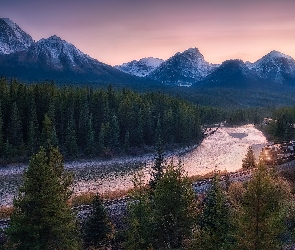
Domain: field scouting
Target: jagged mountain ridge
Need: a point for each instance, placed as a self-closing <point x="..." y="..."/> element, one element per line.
<point x="56" y="59"/>
<point x="12" y="37"/>
<point x="189" y="68"/>
<point x="232" y="73"/>
<point x="275" y="67"/>
<point x="142" y="67"/>
<point x="183" y="69"/>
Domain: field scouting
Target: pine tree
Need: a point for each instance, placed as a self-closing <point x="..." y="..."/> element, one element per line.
<point x="42" y="218"/>
<point x="173" y="206"/>
<point x="261" y="217"/>
<point x="90" y="147"/>
<point x="158" y="166"/>
<point x="139" y="233"/>
<point x="214" y="220"/>
<point x="71" y="138"/>
<point x="15" y="135"/>
<point x="249" y="160"/>
<point x="48" y="134"/>
<point x="115" y="131"/>
<point x="33" y="130"/>
<point x="97" y="229"/>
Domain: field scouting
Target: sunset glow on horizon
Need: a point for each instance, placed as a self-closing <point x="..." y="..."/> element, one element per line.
<point x="117" y="31"/>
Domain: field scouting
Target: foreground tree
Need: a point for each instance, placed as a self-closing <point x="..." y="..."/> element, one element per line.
<point x="249" y="160"/>
<point x="173" y="208"/>
<point x="261" y="219"/>
<point x="139" y="234"/>
<point x="97" y="230"/>
<point x="157" y="170"/>
<point x="42" y="218"/>
<point x="214" y="226"/>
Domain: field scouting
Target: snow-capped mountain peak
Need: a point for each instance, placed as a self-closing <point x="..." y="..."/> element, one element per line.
<point x="184" y="68"/>
<point x="277" y="54"/>
<point x="58" y="53"/>
<point x="275" y="67"/>
<point x="9" y="22"/>
<point x="142" y="67"/>
<point x="12" y="37"/>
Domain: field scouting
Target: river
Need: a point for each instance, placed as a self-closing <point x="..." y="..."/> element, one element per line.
<point x="223" y="150"/>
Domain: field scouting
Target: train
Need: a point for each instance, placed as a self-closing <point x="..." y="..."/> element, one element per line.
<point x="278" y="153"/>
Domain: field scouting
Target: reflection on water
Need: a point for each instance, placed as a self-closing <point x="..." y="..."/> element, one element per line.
<point x="223" y="150"/>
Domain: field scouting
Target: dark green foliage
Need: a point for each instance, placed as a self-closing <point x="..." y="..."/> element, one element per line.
<point x="140" y="220"/>
<point x="158" y="166"/>
<point x="91" y="122"/>
<point x="71" y="138"/>
<point x="261" y="218"/>
<point x="48" y="134"/>
<point x="14" y="133"/>
<point x="173" y="205"/>
<point x="33" y="130"/>
<point x="42" y="218"/>
<point x="281" y="128"/>
<point x="249" y="160"/>
<point x="163" y="220"/>
<point x="97" y="229"/>
<point x="214" y="226"/>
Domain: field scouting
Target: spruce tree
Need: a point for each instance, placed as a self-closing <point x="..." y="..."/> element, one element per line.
<point x="140" y="226"/>
<point x="48" y="134"/>
<point x="90" y="145"/>
<point x="249" y="160"/>
<point x="158" y="166"/>
<point x="261" y="217"/>
<point x="214" y="220"/>
<point x="33" y="130"/>
<point x="42" y="218"/>
<point x="15" y="135"/>
<point x="173" y="205"/>
<point x="71" y="138"/>
<point x="97" y="229"/>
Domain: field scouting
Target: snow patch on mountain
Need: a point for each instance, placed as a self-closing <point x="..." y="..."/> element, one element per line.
<point x="183" y="69"/>
<point x="12" y="37"/>
<point x="142" y="67"/>
<point x="59" y="54"/>
<point x="274" y="66"/>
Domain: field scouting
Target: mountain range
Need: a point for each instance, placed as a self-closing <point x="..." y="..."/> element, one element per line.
<point x="56" y="59"/>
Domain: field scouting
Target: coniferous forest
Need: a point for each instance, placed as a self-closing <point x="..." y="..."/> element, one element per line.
<point x="87" y="122"/>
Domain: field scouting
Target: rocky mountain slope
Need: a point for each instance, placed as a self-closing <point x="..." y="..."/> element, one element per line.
<point x="142" y="67"/>
<point x="12" y="37"/>
<point x="183" y="69"/>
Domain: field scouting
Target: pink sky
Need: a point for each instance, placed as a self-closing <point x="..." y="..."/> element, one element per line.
<point x="117" y="31"/>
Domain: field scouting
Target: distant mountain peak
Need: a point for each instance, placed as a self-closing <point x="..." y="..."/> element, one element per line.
<point x="275" y="67"/>
<point x="277" y="54"/>
<point x="193" y="50"/>
<point x="54" y="37"/>
<point x="9" y="22"/>
<point x="183" y="69"/>
<point x="12" y="37"/>
<point x="142" y="67"/>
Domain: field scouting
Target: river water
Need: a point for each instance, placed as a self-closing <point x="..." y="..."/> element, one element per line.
<point x="223" y="150"/>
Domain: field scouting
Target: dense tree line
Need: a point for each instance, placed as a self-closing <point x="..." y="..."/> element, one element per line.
<point x="87" y="121"/>
<point x="280" y="127"/>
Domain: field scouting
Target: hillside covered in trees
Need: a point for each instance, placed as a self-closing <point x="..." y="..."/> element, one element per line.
<point x="87" y="122"/>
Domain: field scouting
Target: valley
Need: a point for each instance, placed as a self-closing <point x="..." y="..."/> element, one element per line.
<point x="223" y="150"/>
